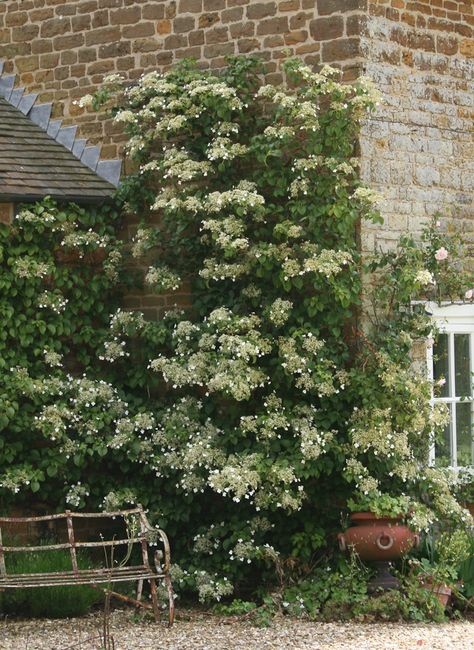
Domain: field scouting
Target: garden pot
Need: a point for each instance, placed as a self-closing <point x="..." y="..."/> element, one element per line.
<point x="438" y="589"/>
<point x="379" y="540"/>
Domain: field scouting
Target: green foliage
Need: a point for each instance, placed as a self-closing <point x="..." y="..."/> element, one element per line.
<point x="58" y="276"/>
<point x="330" y="593"/>
<point x="382" y="506"/>
<point x="411" y="603"/>
<point x="235" y="608"/>
<point x="49" y="602"/>
<point x="466" y="571"/>
<point x="394" y="423"/>
<point x="463" y="484"/>
<point x="338" y="592"/>
<point x="444" y="554"/>
<point x="245" y="417"/>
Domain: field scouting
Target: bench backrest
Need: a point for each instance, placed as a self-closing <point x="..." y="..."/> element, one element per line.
<point x="137" y="534"/>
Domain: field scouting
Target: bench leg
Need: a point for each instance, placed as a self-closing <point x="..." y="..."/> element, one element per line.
<point x="139" y="590"/>
<point x="169" y="587"/>
<point x="154" y="599"/>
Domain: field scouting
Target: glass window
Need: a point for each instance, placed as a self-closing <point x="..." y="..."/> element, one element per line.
<point x="441" y="366"/>
<point x="451" y="365"/>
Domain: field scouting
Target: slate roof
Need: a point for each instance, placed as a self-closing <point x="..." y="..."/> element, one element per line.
<point x="38" y="158"/>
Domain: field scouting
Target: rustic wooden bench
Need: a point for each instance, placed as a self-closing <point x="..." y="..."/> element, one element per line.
<point x="138" y="532"/>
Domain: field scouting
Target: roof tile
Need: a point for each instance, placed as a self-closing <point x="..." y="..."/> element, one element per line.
<point x="34" y="165"/>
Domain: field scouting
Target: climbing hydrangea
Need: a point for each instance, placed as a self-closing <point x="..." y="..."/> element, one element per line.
<point x="236" y="416"/>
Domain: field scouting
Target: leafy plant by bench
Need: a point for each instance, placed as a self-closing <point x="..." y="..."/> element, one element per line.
<point x="50" y="602"/>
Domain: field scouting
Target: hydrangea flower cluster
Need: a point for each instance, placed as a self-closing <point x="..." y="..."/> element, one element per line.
<point x="52" y="300"/>
<point x="28" y="268"/>
<point x="77" y="495"/>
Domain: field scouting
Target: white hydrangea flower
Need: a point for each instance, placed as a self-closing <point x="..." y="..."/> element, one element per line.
<point x="279" y="311"/>
<point x="367" y="195"/>
<point x="162" y="278"/>
<point x="424" y="277"/>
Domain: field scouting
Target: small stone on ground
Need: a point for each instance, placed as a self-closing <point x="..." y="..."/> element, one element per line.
<point x="199" y="632"/>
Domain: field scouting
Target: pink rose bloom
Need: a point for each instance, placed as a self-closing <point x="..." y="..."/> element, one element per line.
<point x="441" y="254"/>
<point x="441" y="382"/>
<point x="468" y="294"/>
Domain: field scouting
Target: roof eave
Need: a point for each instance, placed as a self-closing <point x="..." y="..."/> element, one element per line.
<point x="61" y="198"/>
<point x="32" y="124"/>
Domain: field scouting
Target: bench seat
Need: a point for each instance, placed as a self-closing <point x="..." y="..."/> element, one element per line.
<point x="139" y="534"/>
<point x="80" y="577"/>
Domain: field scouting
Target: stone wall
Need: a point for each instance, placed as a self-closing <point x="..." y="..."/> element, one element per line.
<point x="63" y="49"/>
<point x="419" y="147"/>
<point x="6" y="213"/>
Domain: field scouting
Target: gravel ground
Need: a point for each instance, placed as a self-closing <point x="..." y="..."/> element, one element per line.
<point x="213" y="633"/>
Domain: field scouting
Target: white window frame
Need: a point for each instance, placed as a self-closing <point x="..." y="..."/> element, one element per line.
<point x="452" y="319"/>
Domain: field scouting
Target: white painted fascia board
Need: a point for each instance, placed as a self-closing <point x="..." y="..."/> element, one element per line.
<point x="452" y="315"/>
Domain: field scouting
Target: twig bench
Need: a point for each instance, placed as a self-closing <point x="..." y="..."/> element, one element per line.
<point x="139" y="532"/>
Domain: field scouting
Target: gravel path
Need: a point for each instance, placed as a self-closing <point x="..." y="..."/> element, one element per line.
<point x="212" y="633"/>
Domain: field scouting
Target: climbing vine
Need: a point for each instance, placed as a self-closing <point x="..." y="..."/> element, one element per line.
<point x="248" y="414"/>
<point x="59" y="270"/>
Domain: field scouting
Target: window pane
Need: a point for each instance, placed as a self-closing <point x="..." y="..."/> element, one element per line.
<point x="441" y="365"/>
<point x="443" y="445"/>
<point x="464" y="433"/>
<point x="462" y="365"/>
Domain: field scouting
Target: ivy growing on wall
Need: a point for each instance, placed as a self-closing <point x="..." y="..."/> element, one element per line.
<point x="59" y="269"/>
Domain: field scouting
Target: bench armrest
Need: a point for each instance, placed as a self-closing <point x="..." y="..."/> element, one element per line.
<point x="166" y="544"/>
<point x="164" y="538"/>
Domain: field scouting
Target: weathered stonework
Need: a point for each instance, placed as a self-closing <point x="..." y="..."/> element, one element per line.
<point x="63" y="49"/>
<point x="418" y="150"/>
<point x="6" y="213"/>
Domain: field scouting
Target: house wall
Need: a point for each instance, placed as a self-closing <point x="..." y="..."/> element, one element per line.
<point x="6" y="213"/>
<point x="63" y="49"/>
<point x="418" y="149"/>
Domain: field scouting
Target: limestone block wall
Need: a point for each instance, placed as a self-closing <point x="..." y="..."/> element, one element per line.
<point x="419" y="147"/>
<point x="63" y="49"/>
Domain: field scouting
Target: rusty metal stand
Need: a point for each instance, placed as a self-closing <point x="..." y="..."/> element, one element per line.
<point x="384" y="580"/>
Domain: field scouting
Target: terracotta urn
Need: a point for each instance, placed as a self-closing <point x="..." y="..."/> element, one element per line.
<point x="380" y="540"/>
